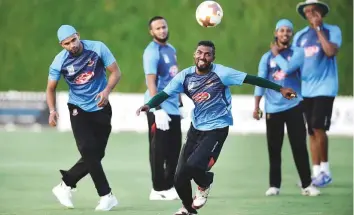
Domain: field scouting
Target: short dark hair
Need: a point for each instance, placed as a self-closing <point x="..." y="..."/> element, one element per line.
<point x="154" y="19"/>
<point x="207" y="43"/>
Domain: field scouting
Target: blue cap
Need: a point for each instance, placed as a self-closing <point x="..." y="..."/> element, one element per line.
<point x="65" y="31"/>
<point x="284" y="22"/>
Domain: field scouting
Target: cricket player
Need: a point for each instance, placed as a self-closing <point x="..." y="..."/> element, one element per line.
<point x="164" y="122"/>
<point x="83" y="64"/>
<point x="319" y="74"/>
<point x="207" y="84"/>
<point x="280" y="111"/>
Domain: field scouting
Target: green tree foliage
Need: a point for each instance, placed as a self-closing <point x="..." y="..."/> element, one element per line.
<point x="29" y="43"/>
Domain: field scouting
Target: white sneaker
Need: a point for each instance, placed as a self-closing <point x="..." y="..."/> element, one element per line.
<point x="310" y="191"/>
<point x="201" y="197"/>
<point x="63" y="194"/>
<point x="171" y="194"/>
<point x="107" y="202"/>
<point x="272" y="191"/>
<point x="157" y="195"/>
<point x="183" y="211"/>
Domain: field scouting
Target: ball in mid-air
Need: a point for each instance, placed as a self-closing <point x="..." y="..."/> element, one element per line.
<point x="209" y="14"/>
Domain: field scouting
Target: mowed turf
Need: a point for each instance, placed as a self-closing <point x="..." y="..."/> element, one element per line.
<point x="29" y="164"/>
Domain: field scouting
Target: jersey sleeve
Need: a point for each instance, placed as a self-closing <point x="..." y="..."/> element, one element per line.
<point x="176" y="84"/>
<point x="106" y="55"/>
<point x="335" y="36"/>
<point x="295" y="40"/>
<point x="150" y="61"/>
<point x="55" y="68"/>
<point x="263" y="73"/>
<point x="295" y="62"/>
<point x="230" y="76"/>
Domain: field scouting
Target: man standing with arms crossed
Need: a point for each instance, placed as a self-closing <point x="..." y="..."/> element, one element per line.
<point x="165" y="136"/>
<point x="83" y="64"/>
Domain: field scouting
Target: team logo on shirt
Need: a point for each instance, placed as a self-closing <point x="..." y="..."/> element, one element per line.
<point x="166" y="58"/>
<point x="303" y="42"/>
<point x="83" y="78"/>
<point x="311" y="51"/>
<point x="272" y="63"/>
<point x="191" y="85"/>
<point x="90" y="62"/>
<point x="201" y="97"/>
<point x="173" y="71"/>
<point x="70" y="69"/>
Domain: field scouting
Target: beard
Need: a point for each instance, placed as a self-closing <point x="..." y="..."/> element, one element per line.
<point x="162" y="40"/>
<point x="285" y="43"/>
<point x="203" y="68"/>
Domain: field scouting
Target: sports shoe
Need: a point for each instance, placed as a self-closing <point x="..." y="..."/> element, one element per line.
<point x="158" y="195"/>
<point x="299" y="184"/>
<point x="201" y="197"/>
<point x="272" y="191"/>
<point x="310" y="191"/>
<point x="171" y="194"/>
<point x="322" y="180"/>
<point x="107" y="202"/>
<point x="183" y="211"/>
<point x="63" y="194"/>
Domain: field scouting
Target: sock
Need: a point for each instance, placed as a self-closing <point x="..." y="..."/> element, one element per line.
<point x="316" y="170"/>
<point x="325" y="168"/>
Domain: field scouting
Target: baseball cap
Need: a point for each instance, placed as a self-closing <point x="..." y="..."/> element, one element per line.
<point x="65" y="31"/>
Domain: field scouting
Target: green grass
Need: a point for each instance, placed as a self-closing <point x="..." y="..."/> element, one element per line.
<point x="29" y="164"/>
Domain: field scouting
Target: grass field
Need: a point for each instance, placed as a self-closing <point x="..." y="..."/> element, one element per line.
<point x="29" y="164"/>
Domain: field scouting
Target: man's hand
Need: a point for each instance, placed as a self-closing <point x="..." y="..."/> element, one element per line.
<point x="103" y="96"/>
<point x="257" y="113"/>
<point x="288" y="93"/>
<point x="162" y="120"/>
<point x="315" y="20"/>
<point x="144" y="108"/>
<point x="53" y="118"/>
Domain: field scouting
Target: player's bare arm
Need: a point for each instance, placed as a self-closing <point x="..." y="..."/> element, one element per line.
<point x="151" y="84"/>
<point x="112" y="82"/>
<point x="51" y="100"/>
<point x="330" y="49"/>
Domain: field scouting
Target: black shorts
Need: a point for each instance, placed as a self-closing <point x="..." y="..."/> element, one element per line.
<point x="318" y="112"/>
<point x="202" y="148"/>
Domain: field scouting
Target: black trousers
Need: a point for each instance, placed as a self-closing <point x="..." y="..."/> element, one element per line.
<point x="294" y="120"/>
<point x="91" y="131"/>
<point x="164" y="150"/>
<point x="199" y="154"/>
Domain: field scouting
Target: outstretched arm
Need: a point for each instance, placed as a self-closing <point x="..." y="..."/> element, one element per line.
<point x="261" y="82"/>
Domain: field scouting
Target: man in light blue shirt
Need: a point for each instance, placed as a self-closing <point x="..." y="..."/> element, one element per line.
<point x="83" y="65"/>
<point x="320" y="43"/>
<point x="280" y="111"/>
<point x="207" y="84"/>
<point x="164" y="122"/>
